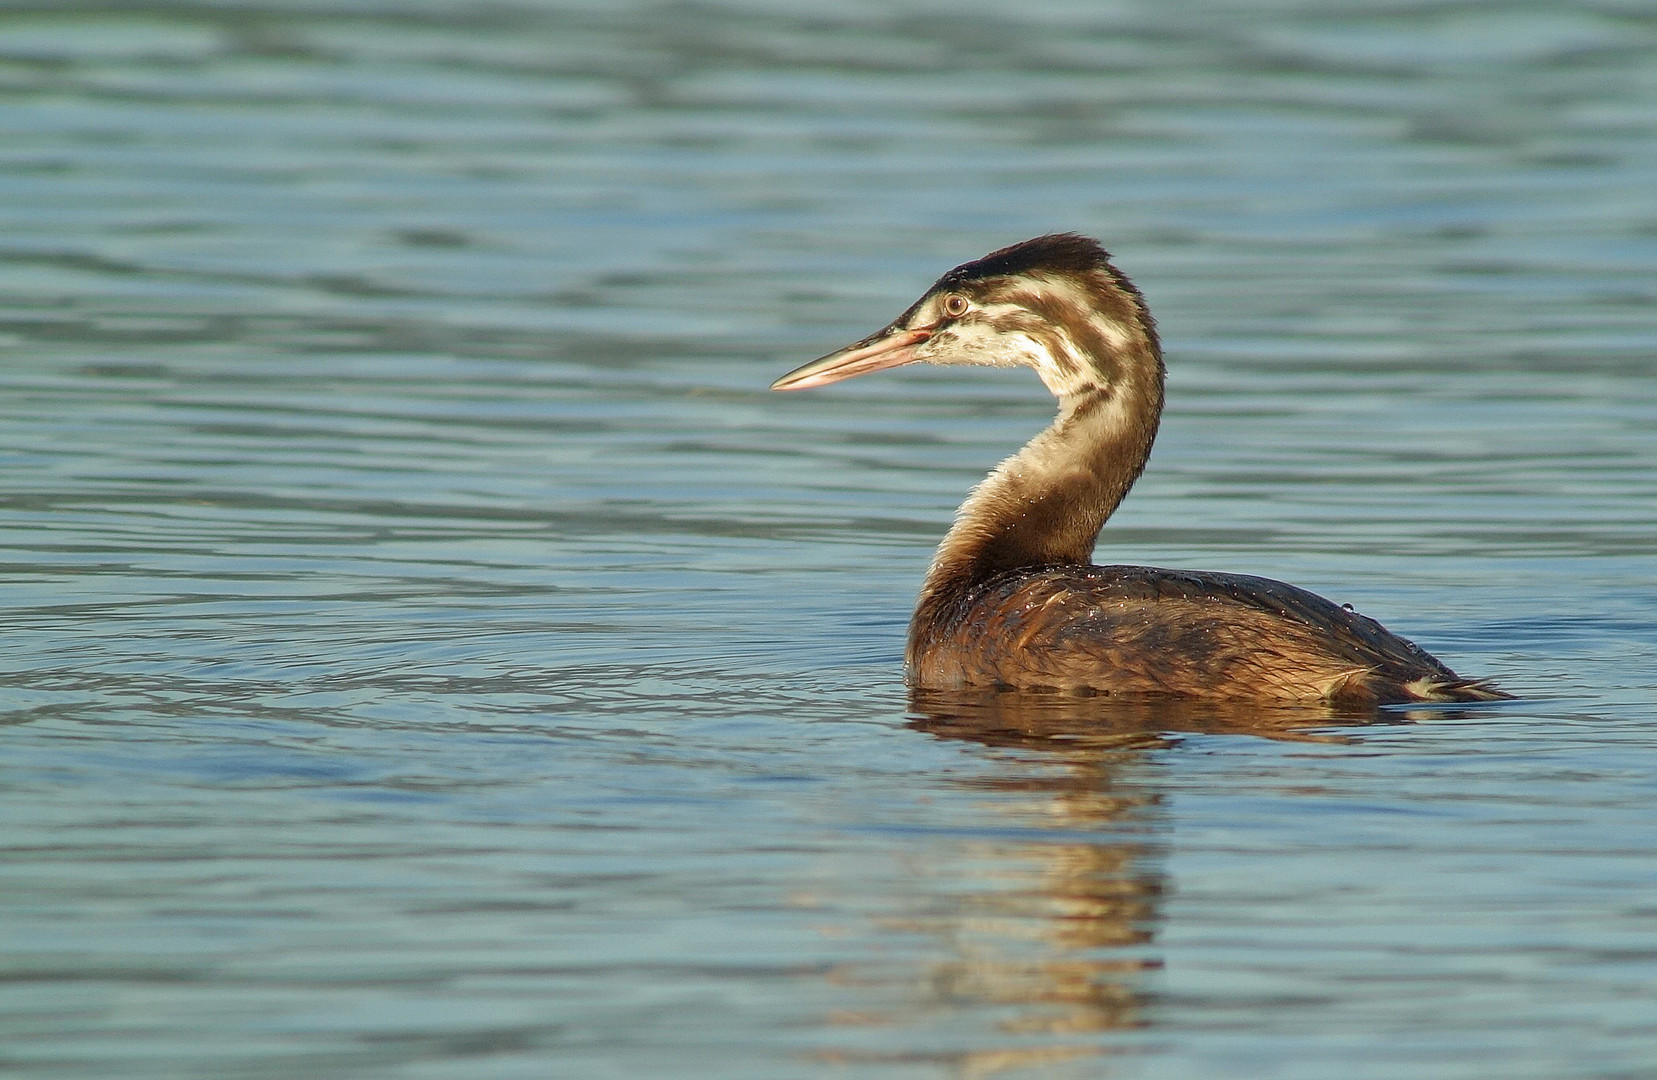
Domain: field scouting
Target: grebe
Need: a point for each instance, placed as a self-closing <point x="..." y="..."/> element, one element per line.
<point x="1011" y="598"/>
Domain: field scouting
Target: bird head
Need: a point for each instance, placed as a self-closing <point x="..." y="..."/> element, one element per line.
<point x="1054" y="304"/>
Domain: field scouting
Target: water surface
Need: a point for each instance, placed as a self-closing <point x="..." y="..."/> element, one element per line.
<point x="432" y="652"/>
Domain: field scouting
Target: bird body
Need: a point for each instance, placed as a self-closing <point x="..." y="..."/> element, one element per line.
<point x="1012" y="599"/>
<point x="1142" y="631"/>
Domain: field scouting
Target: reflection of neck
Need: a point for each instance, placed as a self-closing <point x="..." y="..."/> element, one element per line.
<point x="1043" y="941"/>
<point x="1044" y="506"/>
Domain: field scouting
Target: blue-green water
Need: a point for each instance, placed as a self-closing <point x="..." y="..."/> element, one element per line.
<point x="430" y="651"/>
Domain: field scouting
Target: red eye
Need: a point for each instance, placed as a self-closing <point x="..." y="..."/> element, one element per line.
<point x="955" y="305"/>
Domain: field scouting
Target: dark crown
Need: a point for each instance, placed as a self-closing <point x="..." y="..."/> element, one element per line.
<point x="1056" y="253"/>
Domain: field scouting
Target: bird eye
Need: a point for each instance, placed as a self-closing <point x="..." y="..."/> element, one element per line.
<point x="955" y="305"/>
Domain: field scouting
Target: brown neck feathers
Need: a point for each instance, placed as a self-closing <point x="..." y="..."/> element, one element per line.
<point x="1045" y="505"/>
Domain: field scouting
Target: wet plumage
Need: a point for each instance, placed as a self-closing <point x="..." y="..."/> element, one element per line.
<point x="1012" y="598"/>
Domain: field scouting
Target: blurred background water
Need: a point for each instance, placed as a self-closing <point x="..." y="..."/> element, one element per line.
<point x="431" y="652"/>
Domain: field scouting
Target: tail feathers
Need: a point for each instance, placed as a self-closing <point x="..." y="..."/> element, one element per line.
<point x="1431" y="689"/>
<point x="1367" y="687"/>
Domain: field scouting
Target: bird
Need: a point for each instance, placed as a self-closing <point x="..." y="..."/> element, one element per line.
<point x="1012" y="598"/>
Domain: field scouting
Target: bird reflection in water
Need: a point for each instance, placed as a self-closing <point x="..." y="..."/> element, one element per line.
<point x="1051" y="919"/>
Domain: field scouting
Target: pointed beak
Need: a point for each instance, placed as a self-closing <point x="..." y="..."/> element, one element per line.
<point x="888" y="348"/>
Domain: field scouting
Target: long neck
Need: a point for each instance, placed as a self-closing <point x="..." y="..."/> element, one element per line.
<point x="1045" y="505"/>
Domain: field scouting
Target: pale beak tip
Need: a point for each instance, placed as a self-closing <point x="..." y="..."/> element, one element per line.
<point x="888" y="349"/>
